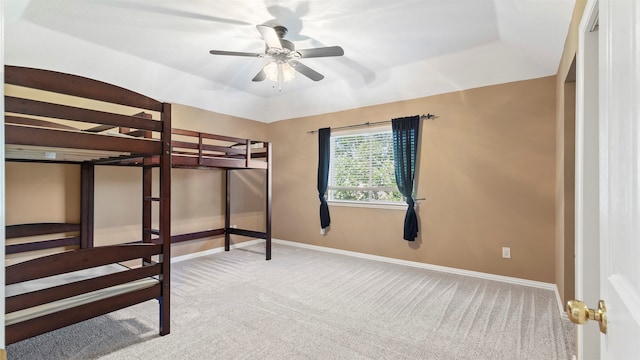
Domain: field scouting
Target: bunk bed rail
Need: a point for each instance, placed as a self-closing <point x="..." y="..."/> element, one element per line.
<point x="27" y="230"/>
<point x="75" y="260"/>
<point x="199" y="149"/>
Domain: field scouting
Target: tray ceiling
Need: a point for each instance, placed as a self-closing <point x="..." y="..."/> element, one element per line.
<point x="393" y="50"/>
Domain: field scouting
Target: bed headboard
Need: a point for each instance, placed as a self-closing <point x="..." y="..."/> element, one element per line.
<point x="35" y="120"/>
<point x="77" y="86"/>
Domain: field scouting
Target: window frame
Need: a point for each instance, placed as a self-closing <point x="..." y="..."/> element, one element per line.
<point x="399" y="205"/>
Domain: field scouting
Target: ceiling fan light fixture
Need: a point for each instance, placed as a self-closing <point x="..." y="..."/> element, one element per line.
<point x="288" y="72"/>
<point x="271" y="70"/>
<point x="274" y="69"/>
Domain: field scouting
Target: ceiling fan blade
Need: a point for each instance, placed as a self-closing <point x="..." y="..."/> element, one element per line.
<point x="321" y="52"/>
<point x="306" y="71"/>
<point x="270" y="36"/>
<point x="234" y="53"/>
<point x="260" y="76"/>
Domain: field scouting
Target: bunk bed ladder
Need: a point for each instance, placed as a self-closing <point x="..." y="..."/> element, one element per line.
<point x="161" y="235"/>
<point x="147" y="204"/>
<point x="148" y="231"/>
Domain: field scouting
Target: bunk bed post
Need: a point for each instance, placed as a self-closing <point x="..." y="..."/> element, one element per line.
<point x="164" y="231"/>
<point x="165" y="219"/>
<point x="227" y="211"/>
<point x="268" y="205"/>
<point x="87" y="176"/>
<point x="199" y="148"/>
<point x="248" y="153"/>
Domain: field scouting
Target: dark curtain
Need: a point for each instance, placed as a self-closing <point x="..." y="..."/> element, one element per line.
<point x="405" y="145"/>
<point x="324" y="147"/>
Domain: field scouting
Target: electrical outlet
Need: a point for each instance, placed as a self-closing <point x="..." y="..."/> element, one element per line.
<point x="234" y="226"/>
<point x="506" y="252"/>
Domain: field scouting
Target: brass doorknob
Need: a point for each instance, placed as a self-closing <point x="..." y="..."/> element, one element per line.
<point x="580" y="314"/>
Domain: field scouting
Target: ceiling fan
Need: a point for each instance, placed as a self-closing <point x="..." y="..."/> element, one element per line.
<point x="283" y="56"/>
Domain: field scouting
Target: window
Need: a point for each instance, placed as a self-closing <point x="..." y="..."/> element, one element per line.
<point x="361" y="167"/>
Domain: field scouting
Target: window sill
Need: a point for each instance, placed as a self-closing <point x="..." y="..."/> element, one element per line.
<point x="370" y="205"/>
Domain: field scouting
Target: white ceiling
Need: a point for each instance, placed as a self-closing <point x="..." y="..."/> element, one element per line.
<point x="394" y="50"/>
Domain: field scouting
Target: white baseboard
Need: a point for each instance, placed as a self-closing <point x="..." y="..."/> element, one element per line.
<point x="476" y="274"/>
<point x="563" y="313"/>
<point x="217" y="250"/>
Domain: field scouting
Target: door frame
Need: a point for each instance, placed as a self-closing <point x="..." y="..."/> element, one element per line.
<point x="3" y="354"/>
<point x="587" y="229"/>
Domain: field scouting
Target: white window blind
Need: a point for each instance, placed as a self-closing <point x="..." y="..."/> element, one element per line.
<point x="361" y="167"/>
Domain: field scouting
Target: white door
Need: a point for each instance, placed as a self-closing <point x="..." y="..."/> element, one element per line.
<point x="620" y="176"/>
<point x="608" y="179"/>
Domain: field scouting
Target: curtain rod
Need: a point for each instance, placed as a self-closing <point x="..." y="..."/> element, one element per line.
<point x="422" y="117"/>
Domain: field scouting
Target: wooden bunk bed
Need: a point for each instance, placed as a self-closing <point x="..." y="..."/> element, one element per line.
<point x="65" y="287"/>
<point x="198" y="150"/>
<point x="202" y="150"/>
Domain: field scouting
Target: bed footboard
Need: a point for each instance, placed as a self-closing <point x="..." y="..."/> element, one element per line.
<point x="41" y="298"/>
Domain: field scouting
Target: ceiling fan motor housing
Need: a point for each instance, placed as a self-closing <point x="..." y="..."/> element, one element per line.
<point x="288" y="50"/>
<point x="280" y="30"/>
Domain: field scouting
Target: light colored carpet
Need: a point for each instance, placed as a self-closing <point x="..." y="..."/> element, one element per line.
<point x="305" y="304"/>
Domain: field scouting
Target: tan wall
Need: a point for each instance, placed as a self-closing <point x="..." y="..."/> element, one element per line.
<point x="40" y="193"/>
<point x="487" y="170"/>
<point x="565" y="271"/>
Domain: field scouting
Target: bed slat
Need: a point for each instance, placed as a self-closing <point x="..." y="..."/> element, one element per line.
<point x="77" y="86"/>
<point x="77" y="260"/>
